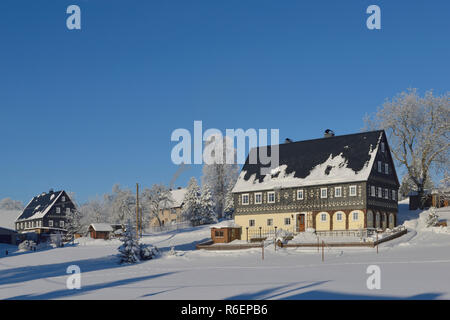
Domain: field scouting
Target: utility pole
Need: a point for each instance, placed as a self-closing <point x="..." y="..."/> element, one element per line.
<point x="137" y="209"/>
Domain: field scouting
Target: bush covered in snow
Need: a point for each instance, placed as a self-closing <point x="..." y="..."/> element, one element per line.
<point x="27" y="245"/>
<point x="148" y="251"/>
<point x="131" y="251"/>
<point x="432" y="218"/>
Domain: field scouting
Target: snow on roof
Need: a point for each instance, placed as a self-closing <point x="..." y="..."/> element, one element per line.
<point x="178" y="197"/>
<point x="105" y="227"/>
<point x="39" y="206"/>
<point x="8" y="218"/>
<point x="338" y="159"/>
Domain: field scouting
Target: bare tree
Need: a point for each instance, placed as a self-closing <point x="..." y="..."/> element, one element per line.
<point x="123" y="205"/>
<point x="419" y="131"/>
<point x="155" y="200"/>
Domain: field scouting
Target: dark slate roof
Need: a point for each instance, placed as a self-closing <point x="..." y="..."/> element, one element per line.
<point x="39" y="205"/>
<point x="302" y="156"/>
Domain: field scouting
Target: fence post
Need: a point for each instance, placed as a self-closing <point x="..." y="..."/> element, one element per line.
<point x="377" y="242"/>
<point x="260" y="232"/>
<point x="262" y="246"/>
<point x="275" y="239"/>
<point x="318" y="244"/>
<point x="247" y="233"/>
<point x="323" y="245"/>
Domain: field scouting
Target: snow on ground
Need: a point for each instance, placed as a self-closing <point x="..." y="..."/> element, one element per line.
<point x="414" y="266"/>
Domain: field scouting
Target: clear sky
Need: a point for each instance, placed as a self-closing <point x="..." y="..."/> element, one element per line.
<point x="83" y="109"/>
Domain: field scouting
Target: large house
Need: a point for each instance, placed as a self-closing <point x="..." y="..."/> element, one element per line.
<point x="172" y="213"/>
<point x="45" y="214"/>
<point x="343" y="182"/>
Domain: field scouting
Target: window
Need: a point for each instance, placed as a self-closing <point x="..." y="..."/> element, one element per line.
<point x="379" y="166"/>
<point x="386" y="168"/>
<point x="251" y="223"/>
<point x="339" y="216"/>
<point x="63" y="199"/>
<point x="67" y="210"/>
<point x="355" y="216"/>
<point x="269" y="222"/>
<point x="50" y="223"/>
<point x="353" y="191"/>
<point x="323" y="193"/>
<point x="58" y="210"/>
<point x="338" y="192"/>
<point x="394" y="195"/>
<point x="386" y="193"/>
<point x="245" y="199"/>
<point x="219" y="233"/>
<point x="287" y="221"/>
<point x="380" y="192"/>
<point x="300" y="195"/>
<point x="372" y="191"/>
<point x="271" y="197"/>
<point x="383" y="147"/>
<point x="323" y="217"/>
<point x="258" y="198"/>
<point x="61" y="224"/>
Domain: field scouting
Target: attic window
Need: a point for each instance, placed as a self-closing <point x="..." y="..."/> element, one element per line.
<point x="386" y="168"/>
<point x="383" y="148"/>
<point x="328" y="169"/>
<point x="63" y="198"/>
<point x="379" y="166"/>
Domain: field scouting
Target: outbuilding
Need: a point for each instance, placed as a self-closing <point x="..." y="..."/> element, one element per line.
<point x="100" y="230"/>
<point x="8" y="236"/>
<point x="225" y="234"/>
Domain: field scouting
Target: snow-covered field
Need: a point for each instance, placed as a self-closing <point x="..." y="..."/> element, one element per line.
<point x="414" y="266"/>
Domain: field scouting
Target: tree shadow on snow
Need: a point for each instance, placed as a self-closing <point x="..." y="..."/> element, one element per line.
<point x="66" y="293"/>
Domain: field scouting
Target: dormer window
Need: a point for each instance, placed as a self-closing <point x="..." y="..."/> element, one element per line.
<point x="245" y="199"/>
<point x="323" y="193"/>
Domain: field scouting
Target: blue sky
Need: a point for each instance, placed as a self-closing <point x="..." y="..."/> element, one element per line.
<point x="81" y="110"/>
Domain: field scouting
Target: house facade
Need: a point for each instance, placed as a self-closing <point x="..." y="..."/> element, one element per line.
<point x="45" y="214"/>
<point x="173" y="213"/>
<point x="334" y="183"/>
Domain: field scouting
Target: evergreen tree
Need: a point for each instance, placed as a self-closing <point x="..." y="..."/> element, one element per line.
<point x="229" y="204"/>
<point x="207" y="206"/>
<point x="130" y="250"/>
<point x="191" y="208"/>
<point x="73" y="223"/>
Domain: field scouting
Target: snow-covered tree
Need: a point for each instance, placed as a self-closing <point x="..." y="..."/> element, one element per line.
<point x="229" y="204"/>
<point x="10" y="204"/>
<point x="192" y="209"/>
<point x="407" y="185"/>
<point x="123" y="205"/>
<point x="130" y="250"/>
<point x="432" y="218"/>
<point x="95" y="211"/>
<point x="419" y="133"/>
<point x="207" y="206"/>
<point x="73" y="223"/>
<point x="220" y="173"/>
<point x="154" y="200"/>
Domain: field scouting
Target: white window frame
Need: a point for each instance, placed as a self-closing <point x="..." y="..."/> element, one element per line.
<point x="335" y="192"/>
<point x="260" y="197"/>
<point x="350" y="191"/>
<point x="339" y="214"/>
<point x="322" y="215"/>
<point x="300" y="191"/>
<point x="394" y="195"/>
<point x="383" y="147"/>
<point x="380" y="192"/>
<point x="61" y="223"/>
<point x="58" y="210"/>
<point x="67" y="210"/>
<point x="321" y="193"/>
<point x="243" y="197"/>
<point x="386" y="193"/>
<point x="268" y="196"/>
<point x="373" y="192"/>
<point x="251" y="222"/>
<point x="288" y="220"/>
<point x="386" y="168"/>
<point x="63" y="199"/>
<point x="379" y="166"/>
<point x="269" y="222"/>
<point x="357" y="215"/>
<point x="50" y="223"/>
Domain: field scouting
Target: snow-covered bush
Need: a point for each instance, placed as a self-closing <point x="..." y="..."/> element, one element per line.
<point x="131" y="251"/>
<point x="432" y="218"/>
<point x="148" y="251"/>
<point x="27" y="245"/>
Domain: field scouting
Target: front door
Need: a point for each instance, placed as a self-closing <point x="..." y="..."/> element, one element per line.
<point x="301" y="223"/>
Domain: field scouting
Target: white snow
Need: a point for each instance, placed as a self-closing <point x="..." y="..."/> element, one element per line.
<point x="414" y="266"/>
<point x="8" y="217"/>
<point x="102" y="227"/>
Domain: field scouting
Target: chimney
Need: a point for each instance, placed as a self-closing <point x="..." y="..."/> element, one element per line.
<point x="51" y="190"/>
<point x="328" y="133"/>
<point x="287" y="140"/>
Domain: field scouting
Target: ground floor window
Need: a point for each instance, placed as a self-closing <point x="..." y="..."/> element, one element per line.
<point x="287" y="221"/>
<point x="355" y="216"/>
<point x="269" y="222"/>
<point x="323" y="217"/>
<point x="339" y="216"/>
<point x="251" y="223"/>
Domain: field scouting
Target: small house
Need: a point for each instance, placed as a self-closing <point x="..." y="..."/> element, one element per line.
<point x="8" y="236"/>
<point x="100" y="231"/>
<point x="225" y="234"/>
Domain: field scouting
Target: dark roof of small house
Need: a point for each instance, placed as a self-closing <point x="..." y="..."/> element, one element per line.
<point x="333" y="159"/>
<point x="6" y="231"/>
<point x="39" y="205"/>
